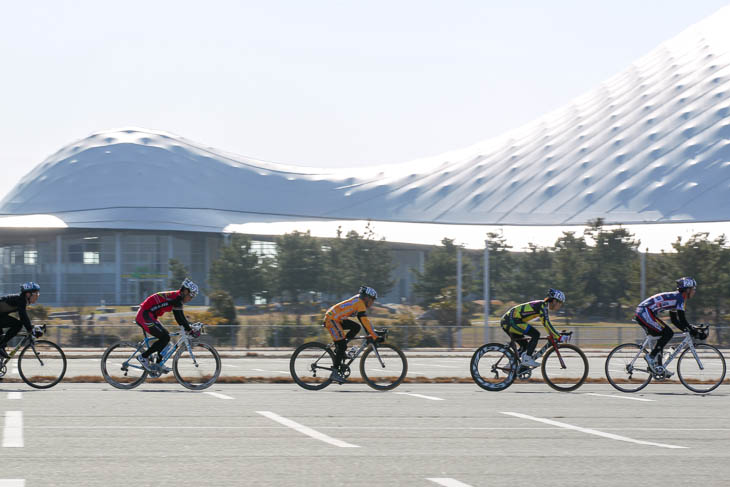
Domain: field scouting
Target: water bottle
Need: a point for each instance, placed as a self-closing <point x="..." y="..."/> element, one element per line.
<point x="352" y="352"/>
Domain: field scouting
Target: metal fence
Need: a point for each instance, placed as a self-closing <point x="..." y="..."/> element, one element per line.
<point x="417" y="336"/>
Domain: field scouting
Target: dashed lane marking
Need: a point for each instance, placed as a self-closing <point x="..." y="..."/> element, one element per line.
<point x="590" y="431"/>
<point x="306" y="430"/>
<point x="447" y="482"/>
<point x="620" y="397"/>
<point x="218" y="395"/>
<point x="13" y="431"/>
<point x="430" y="398"/>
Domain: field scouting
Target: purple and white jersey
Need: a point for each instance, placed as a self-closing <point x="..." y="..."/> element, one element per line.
<point x="663" y="302"/>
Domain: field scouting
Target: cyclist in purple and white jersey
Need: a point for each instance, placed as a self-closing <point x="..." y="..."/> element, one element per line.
<point x="673" y="302"/>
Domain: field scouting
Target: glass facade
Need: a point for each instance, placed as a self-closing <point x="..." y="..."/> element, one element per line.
<point x="77" y="267"/>
<point x="114" y="267"/>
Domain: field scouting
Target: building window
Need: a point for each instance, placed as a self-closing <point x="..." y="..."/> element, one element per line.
<point x="91" y="257"/>
<point x="30" y="257"/>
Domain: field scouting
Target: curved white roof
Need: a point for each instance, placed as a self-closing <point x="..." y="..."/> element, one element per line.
<point x="650" y="145"/>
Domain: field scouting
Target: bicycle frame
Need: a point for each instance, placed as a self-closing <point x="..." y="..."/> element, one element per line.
<point x="26" y="339"/>
<point x="349" y="360"/>
<point x="145" y="344"/>
<point x="688" y="342"/>
<point x="550" y="343"/>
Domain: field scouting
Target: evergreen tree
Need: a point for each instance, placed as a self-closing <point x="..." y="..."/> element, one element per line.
<point x="299" y="262"/>
<point x="178" y="273"/>
<point x="707" y="262"/>
<point x="440" y="272"/>
<point x="237" y="270"/>
<point x="571" y="272"/>
<point x="614" y="269"/>
<point x="536" y="267"/>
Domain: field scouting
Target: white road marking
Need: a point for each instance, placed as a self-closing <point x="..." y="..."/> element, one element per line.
<point x="620" y="397"/>
<point x="219" y="396"/>
<point x="432" y="398"/>
<point x="232" y="366"/>
<point x="259" y="370"/>
<point x="306" y="430"/>
<point x="13" y="431"/>
<point x="15" y="395"/>
<point x="12" y="482"/>
<point x="591" y="431"/>
<point x="282" y="371"/>
<point x="448" y="482"/>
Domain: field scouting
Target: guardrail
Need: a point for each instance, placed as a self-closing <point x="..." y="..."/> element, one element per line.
<point x="417" y="336"/>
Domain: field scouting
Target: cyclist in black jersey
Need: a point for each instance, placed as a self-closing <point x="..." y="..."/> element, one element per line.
<point x="16" y="303"/>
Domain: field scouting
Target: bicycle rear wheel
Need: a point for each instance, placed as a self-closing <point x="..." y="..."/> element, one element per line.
<point x="626" y="369"/>
<point x="493" y="367"/>
<point x="311" y="366"/>
<point x="119" y="366"/>
<point x="385" y="369"/>
<point x="707" y="378"/>
<point x="42" y="364"/>
<point x="569" y="374"/>
<point x="197" y="370"/>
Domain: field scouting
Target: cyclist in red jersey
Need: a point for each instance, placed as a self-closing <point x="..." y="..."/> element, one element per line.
<point x="155" y="306"/>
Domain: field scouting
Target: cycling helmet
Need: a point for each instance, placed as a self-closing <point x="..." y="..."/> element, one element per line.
<point x="29" y="287"/>
<point x="367" y="291"/>
<point x="685" y="282"/>
<point x="555" y="294"/>
<point x="190" y="286"/>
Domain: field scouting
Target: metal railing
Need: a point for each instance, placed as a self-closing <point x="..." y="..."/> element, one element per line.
<point x="412" y="336"/>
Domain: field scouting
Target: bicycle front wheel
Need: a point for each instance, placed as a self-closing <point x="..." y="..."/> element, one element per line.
<point x="120" y="368"/>
<point x="197" y="368"/>
<point x="566" y="368"/>
<point x="42" y="364"/>
<point x="626" y="369"/>
<point x="311" y="366"/>
<point x="493" y="367"/>
<point x="702" y="373"/>
<point x="383" y="368"/>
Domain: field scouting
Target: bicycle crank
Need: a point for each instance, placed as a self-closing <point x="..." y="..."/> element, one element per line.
<point x="524" y="373"/>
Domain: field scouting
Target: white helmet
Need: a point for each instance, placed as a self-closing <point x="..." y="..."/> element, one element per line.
<point x="556" y="294"/>
<point x="685" y="282"/>
<point x="367" y="291"/>
<point x="190" y="286"/>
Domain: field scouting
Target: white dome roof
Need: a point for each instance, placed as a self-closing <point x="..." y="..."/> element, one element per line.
<point x="651" y="144"/>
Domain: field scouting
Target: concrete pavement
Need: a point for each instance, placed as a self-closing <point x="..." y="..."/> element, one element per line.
<point x="279" y="434"/>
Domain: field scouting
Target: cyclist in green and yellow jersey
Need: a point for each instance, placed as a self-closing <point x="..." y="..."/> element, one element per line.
<point x="515" y="322"/>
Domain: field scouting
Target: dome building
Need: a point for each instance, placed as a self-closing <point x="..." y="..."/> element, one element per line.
<point x="100" y="218"/>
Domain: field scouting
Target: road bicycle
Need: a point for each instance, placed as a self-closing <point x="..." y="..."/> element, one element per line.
<point x="383" y="366"/>
<point x="495" y="366"/>
<point x="700" y="367"/>
<point x="41" y="363"/>
<point x="195" y="364"/>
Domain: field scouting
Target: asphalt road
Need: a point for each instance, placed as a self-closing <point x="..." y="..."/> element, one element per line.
<point x="279" y="434"/>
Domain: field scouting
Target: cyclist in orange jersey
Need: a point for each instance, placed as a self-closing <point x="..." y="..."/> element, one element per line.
<point x="338" y="318"/>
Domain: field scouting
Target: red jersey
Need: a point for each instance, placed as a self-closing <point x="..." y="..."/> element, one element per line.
<point x="158" y="304"/>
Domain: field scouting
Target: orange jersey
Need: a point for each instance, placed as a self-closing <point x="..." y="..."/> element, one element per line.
<point x="348" y="308"/>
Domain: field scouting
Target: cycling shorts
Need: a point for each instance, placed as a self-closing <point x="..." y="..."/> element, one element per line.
<point x="649" y="321"/>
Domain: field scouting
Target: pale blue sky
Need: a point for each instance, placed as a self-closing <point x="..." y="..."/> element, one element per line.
<point x="319" y="83"/>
